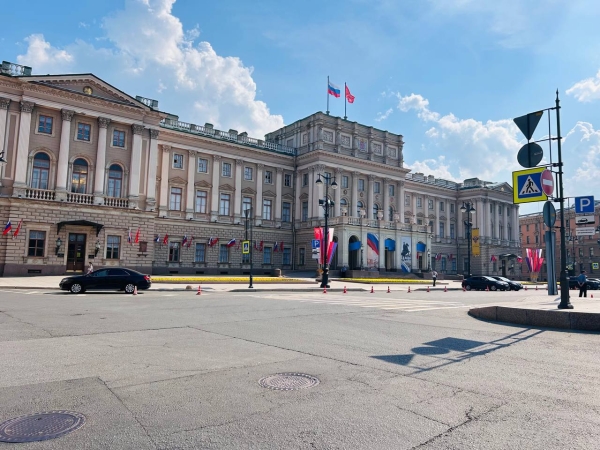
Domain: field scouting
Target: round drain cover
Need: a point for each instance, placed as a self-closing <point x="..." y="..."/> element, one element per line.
<point x="40" y="426"/>
<point x="288" y="381"/>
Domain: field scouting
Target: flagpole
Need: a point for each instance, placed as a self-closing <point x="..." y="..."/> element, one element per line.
<point x="345" y="100"/>
<point x="327" y="95"/>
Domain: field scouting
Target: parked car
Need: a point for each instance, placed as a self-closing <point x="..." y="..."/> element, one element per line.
<point x="593" y="284"/>
<point x="483" y="283"/>
<point x="118" y="279"/>
<point x="513" y="285"/>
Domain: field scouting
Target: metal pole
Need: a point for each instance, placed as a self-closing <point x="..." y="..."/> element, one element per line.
<point x="325" y="277"/>
<point x="327" y="95"/>
<point x="251" y="245"/>
<point x="564" y="281"/>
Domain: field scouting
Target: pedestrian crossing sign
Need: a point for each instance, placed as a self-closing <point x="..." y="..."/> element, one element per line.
<point x="527" y="186"/>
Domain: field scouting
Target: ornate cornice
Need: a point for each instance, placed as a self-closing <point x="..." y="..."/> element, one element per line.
<point x="137" y="129"/>
<point x="67" y="114"/>
<point x="103" y="122"/>
<point x="4" y="102"/>
<point x="27" y="107"/>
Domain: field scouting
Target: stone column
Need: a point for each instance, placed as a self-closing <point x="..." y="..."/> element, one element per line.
<point x="298" y="217"/>
<point x="338" y="195"/>
<point x="401" y="207"/>
<point x="190" y="195"/>
<point x="100" y="160"/>
<point x="386" y="199"/>
<point x="237" y="196"/>
<point x="152" y="168"/>
<point x="136" y="166"/>
<point x="436" y="208"/>
<point x="4" y="102"/>
<point x="370" y="196"/>
<point x="354" y="206"/>
<point x="496" y="224"/>
<point x="414" y="217"/>
<point x="23" y="148"/>
<point x="63" y="155"/>
<point x="164" y="182"/>
<point x="259" y="193"/>
<point x="278" y="195"/>
<point x="311" y="185"/>
<point x="214" y="194"/>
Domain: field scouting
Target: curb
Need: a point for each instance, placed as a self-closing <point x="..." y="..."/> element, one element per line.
<point x="562" y="319"/>
<point x="317" y="290"/>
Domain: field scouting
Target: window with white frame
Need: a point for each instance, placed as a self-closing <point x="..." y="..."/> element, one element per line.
<point x="202" y="165"/>
<point x="177" y="161"/>
<point x="113" y="247"/>
<point x="268" y="177"/>
<point x="419" y="202"/>
<point x="361" y="185"/>
<point x="37" y="243"/>
<point x="430" y="204"/>
<point x="118" y="138"/>
<point x="115" y="181"/>
<point x="248" y="173"/>
<point x="200" y="255"/>
<point x="451" y="231"/>
<point x="45" y="124"/>
<point x="304" y="211"/>
<point x="287" y="180"/>
<point x="442" y="229"/>
<point x="41" y="171"/>
<point x="377" y="187"/>
<point x="226" y="169"/>
<point x="247" y="204"/>
<point x="223" y="254"/>
<point x="451" y="207"/>
<point x="267" y="252"/>
<point x="287" y="256"/>
<point x="344" y="182"/>
<point x="407" y="200"/>
<point x="267" y="209"/>
<point x="286" y="212"/>
<point x="84" y="131"/>
<point x="391" y="190"/>
<point x="304" y="179"/>
<point x="175" y="201"/>
<point x="224" y="203"/>
<point x="201" y="200"/>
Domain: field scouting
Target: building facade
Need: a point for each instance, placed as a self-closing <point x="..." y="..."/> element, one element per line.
<point x="96" y="175"/>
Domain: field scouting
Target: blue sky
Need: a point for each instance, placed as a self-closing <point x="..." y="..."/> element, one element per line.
<point x="448" y="75"/>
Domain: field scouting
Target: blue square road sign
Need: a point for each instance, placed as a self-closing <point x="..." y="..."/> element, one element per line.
<point x="584" y="205"/>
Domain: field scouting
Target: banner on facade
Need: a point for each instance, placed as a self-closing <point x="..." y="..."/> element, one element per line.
<point x="406" y="255"/>
<point x="372" y="251"/>
<point x="475" y="247"/>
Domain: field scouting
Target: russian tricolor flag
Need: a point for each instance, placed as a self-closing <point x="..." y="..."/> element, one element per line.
<point x="7" y="228"/>
<point x="332" y="89"/>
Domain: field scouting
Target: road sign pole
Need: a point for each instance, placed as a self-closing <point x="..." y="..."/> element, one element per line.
<point x="564" y="281"/>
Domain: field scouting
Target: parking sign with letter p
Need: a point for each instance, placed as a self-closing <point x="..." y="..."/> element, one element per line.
<point x="584" y="205"/>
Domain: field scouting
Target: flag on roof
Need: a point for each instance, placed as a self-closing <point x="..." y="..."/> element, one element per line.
<point x="332" y="89"/>
<point x="349" y="96"/>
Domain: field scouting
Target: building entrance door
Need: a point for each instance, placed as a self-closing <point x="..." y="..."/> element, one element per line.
<point x="76" y="252"/>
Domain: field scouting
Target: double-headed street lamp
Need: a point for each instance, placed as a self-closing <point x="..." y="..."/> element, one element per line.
<point x="326" y="203"/>
<point x="468" y="208"/>
<point x="248" y="216"/>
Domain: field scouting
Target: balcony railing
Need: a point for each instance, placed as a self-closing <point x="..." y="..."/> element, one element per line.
<point x="82" y="199"/>
<point x="40" y="194"/>
<point x="116" y="202"/>
<point x="14" y="70"/>
<point x="239" y="138"/>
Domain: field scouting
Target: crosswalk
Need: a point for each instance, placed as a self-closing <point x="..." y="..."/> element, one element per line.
<point x="391" y="304"/>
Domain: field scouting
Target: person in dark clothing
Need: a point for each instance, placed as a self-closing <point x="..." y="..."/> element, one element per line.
<point x="582" y="282"/>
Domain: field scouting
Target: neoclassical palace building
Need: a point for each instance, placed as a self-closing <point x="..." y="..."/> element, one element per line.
<point x="93" y="174"/>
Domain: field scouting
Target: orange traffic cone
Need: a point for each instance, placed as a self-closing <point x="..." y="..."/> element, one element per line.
<point x="408" y="290"/>
<point x="388" y="290"/>
<point x="199" y="290"/>
<point x="427" y="288"/>
<point x="445" y="288"/>
<point x="372" y="291"/>
<point x="536" y="287"/>
<point x="525" y="287"/>
<point x="325" y="290"/>
<point x="592" y="296"/>
<point x="135" y="290"/>
<point x="345" y="290"/>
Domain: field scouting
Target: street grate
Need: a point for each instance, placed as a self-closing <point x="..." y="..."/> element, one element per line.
<point x="40" y="426"/>
<point x="288" y="381"/>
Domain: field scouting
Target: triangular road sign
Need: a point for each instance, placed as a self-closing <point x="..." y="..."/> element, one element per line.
<point x="529" y="187"/>
<point x="527" y="124"/>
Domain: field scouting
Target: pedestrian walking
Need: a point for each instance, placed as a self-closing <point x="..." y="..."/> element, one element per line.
<point x="434" y="276"/>
<point x="90" y="268"/>
<point x="582" y="282"/>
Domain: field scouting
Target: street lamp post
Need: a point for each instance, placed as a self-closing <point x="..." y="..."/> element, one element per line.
<point x="326" y="203"/>
<point x="2" y="160"/>
<point x="468" y="208"/>
<point x="248" y="215"/>
<point x="361" y="213"/>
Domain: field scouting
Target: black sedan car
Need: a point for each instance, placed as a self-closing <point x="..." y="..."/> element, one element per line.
<point x="513" y="285"/>
<point x="592" y="284"/>
<point x="117" y="279"/>
<point x="484" y="283"/>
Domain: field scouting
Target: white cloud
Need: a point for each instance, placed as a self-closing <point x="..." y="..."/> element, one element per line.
<point x="383" y="116"/>
<point x="586" y="90"/>
<point x="582" y="144"/>
<point x="150" y="54"/>
<point x="419" y="104"/>
<point x="436" y="167"/>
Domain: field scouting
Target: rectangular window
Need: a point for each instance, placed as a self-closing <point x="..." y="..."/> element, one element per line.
<point x="267" y="255"/>
<point x="246" y="258"/>
<point x="37" y="240"/>
<point x="287" y="180"/>
<point x="287" y="256"/>
<point x="268" y="177"/>
<point x="537" y="239"/>
<point x="301" y="256"/>
<point x="83" y="131"/>
<point x="304" y="179"/>
<point x="174" y="251"/>
<point x="441" y="206"/>
<point x="223" y="254"/>
<point x="443" y="264"/>
<point x="304" y="211"/>
<point x="45" y="125"/>
<point x="201" y="198"/>
<point x="118" y="138"/>
<point x="407" y="200"/>
<point x="527" y="226"/>
<point x="202" y="165"/>
<point x="113" y="245"/>
<point x="226" y="169"/>
<point x="442" y="230"/>
<point x="491" y="208"/>
<point x="200" y="255"/>
<point x="248" y="173"/>
<point x="267" y="209"/>
<point x="286" y="212"/>
<point x="451" y="231"/>
<point x="452" y="207"/>
<point x="224" y="204"/>
<point x="247" y="204"/>
<point x="391" y="190"/>
<point x="500" y="210"/>
<point x="376" y="187"/>
<point x="591" y="251"/>
<point x="528" y="239"/>
<point x="177" y="161"/>
<point x="580" y="252"/>
<point x="419" y="202"/>
<point x="175" y="204"/>
<point x="361" y="185"/>
<point x="419" y="221"/>
<point x="430" y="204"/>
<point x="344" y="182"/>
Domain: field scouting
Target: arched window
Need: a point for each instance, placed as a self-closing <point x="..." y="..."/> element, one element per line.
<point x="115" y="180"/>
<point x="359" y="206"/>
<point x="80" y="174"/>
<point x="41" y="171"/>
<point x="375" y="210"/>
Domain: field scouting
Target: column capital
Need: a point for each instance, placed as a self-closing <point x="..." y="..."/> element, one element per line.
<point x="27" y="107"/>
<point x="103" y="122"/>
<point x="387" y="180"/>
<point x="166" y="148"/>
<point x="192" y="153"/>
<point x="137" y="129"/>
<point x="401" y="183"/>
<point x="280" y="170"/>
<point x="4" y="102"/>
<point x="355" y="174"/>
<point x="239" y="162"/>
<point x="217" y="157"/>
<point x="67" y="114"/>
<point x="260" y="166"/>
<point x="154" y="134"/>
<point x="320" y="168"/>
<point x="371" y="177"/>
<point x="338" y="170"/>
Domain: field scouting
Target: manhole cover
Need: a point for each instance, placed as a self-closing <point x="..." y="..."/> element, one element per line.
<point x="288" y="381"/>
<point x="40" y="426"/>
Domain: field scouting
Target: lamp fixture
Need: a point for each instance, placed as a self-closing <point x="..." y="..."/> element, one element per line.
<point x="2" y="160"/>
<point x="97" y="248"/>
<point x="58" y="244"/>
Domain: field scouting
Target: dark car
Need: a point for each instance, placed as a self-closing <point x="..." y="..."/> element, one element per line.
<point x="592" y="283"/>
<point x="118" y="279"/>
<point x="513" y="285"/>
<point x="483" y="283"/>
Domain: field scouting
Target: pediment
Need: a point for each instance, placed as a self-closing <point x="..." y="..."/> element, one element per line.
<point x="443" y="218"/>
<point x="226" y="187"/>
<point x="248" y="190"/>
<point x="288" y="197"/>
<point x="431" y="216"/>
<point x="304" y="196"/>
<point x="408" y="213"/>
<point x="269" y="194"/>
<point x="420" y="214"/>
<point x="177" y="180"/>
<point x="202" y="183"/>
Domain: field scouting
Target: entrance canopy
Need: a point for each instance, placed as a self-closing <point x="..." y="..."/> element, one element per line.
<point x="390" y="245"/>
<point x="80" y="223"/>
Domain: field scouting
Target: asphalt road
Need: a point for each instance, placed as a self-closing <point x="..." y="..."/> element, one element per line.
<point x="397" y="371"/>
